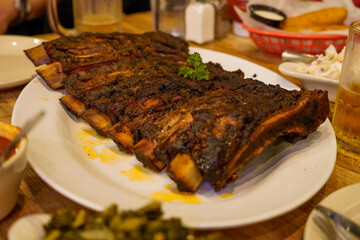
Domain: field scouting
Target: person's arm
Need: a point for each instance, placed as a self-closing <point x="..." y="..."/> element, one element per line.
<point x="9" y="13"/>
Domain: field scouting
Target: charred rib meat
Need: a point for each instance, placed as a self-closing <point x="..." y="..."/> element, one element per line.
<point x="127" y="87"/>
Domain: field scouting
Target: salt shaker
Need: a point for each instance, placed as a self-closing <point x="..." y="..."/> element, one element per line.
<point x="200" y="22"/>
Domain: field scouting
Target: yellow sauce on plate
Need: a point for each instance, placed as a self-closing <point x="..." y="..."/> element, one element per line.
<point x="93" y="147"/>
<point x="138" y="174"/>
<point x="170" y="193"/>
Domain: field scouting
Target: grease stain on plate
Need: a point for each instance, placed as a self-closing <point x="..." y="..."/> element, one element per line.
<point x="138" y="174"/>
<point x="43" y="99"/>
<point x="226" y="195"/>
<point x="170" y="193"/>
<point x="97" y="147"/>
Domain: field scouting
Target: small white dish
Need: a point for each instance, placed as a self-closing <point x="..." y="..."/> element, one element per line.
<point x="15" y="68"/>
<point x="30" y="227"/>
<point x="345" y="201"/>
<point x="11" y="170"/>
<point x="310" y="82"/>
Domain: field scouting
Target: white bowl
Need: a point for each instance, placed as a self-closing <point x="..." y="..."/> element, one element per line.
<point x="310" y="82"/>
<point x="11" y="171"/>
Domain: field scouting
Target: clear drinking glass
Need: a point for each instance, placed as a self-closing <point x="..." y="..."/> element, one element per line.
<point x="346" y="118"/>
<point x="169" y="16"/>
<point x="103" y="16"/>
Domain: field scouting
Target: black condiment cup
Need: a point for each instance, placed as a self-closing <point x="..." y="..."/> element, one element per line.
<point x="268" y="21"/>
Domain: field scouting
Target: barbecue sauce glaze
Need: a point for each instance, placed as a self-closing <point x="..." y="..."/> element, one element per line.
<point x="4" y="142"/>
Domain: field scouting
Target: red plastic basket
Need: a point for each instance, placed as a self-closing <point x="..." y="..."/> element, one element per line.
<point x="275" y="43"/>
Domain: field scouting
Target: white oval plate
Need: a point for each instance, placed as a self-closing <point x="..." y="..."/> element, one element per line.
<point x="345" y="201"/>
<point x="15" y="68"/>
<point x="58" y="153"/>
<point x="310" y="82"/>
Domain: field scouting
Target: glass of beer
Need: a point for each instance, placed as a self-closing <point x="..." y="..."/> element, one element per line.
<point x="346" y="118"/>
<point x="102" y="16"/>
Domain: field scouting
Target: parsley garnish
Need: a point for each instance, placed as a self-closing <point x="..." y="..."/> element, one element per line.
<point x="199" y="70"/>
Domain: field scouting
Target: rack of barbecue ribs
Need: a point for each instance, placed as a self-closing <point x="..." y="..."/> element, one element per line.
<point x="127" y="87"/>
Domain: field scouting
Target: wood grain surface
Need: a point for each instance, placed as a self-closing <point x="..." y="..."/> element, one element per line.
<point x="37" y="197"/>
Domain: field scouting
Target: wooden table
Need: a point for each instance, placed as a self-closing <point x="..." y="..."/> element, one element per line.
<point x="37" y="197"/>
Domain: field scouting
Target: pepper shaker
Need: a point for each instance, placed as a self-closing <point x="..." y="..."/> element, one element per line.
<point x="222" y="17"/>
<point x="169" y="16"/>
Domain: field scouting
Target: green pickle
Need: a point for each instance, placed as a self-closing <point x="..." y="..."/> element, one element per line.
<point x="145" y="223"/>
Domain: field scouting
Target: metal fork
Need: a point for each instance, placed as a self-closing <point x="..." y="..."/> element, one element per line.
<point x="330" y="229"/>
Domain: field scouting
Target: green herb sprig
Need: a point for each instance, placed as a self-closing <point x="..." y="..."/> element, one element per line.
<point x="199" y="70"/>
